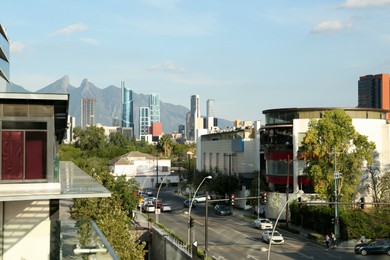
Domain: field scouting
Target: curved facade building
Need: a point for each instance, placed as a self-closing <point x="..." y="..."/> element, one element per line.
<point x="283" y="133"/>
<point x="4" y="60"/>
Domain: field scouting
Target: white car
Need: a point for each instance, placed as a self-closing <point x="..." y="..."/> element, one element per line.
<point x="276" y="238"/>
<point x="202" y="198"/>
<point x="263" y="223"/>
<point x="166" y="207"/>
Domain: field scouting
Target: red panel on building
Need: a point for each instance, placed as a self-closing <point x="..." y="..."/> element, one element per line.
<point x="275" y="156"/>
<point x="156" y="129"/>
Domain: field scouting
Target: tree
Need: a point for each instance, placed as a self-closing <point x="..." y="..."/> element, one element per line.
<point x="91" y="138"/>
<point x="330" y="144"/>
<point x="118" y="139"/>
<point x="165" y="145"/>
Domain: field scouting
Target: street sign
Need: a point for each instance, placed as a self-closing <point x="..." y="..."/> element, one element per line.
<point x="157" y="211"/>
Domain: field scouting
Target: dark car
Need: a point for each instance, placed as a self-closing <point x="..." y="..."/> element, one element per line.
<point x="223" y="210"/>
<point x="374" y="247"/>
<point x="188" y="202"/>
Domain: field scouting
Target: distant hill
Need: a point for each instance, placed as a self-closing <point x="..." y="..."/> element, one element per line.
<point x="108" y="104"/>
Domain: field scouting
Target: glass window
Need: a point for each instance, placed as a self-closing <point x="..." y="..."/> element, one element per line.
<point x="24" y="155"/>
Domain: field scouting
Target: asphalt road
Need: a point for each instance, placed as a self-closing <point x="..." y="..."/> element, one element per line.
<point x="234" y="237"/>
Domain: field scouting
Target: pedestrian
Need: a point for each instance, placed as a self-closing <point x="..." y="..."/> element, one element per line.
<point x="363" y="239"/>
<point x="333" y="240"/>
<point x="327" y="241"/>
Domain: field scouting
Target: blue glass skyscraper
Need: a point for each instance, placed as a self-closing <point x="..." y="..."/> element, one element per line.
<point x="127" y="107"/>
<point x="154" y="105"/>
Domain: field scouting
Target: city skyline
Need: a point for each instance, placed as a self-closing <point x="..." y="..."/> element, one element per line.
<point x="249" y="56"/>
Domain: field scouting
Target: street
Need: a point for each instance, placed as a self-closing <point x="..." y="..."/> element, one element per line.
<point x="234" y="237"/>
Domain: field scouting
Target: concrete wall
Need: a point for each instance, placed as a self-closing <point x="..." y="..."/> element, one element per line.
<point x="165" y="247"/>
<point x="26" y="230"/>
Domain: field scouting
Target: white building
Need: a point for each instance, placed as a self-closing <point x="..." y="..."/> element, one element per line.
<point x="144" y="168"/>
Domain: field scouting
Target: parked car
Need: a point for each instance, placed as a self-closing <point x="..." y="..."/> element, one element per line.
<point x="275" y="238"/>
<point x="379" y="246"/>
<point x="166" y="207"/>
<point x="202" y="198"/>
<point x="188" y="202"/>
<point x="263" y="223"/>
<point x="223" y="210"/>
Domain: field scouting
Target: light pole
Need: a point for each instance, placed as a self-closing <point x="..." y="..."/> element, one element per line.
<point x="158" y="192"/>
<point x="287" y="184"/>
<point x="336" y="206"/>
<point x="190" y="207"/>
<point x="299" y="192"/>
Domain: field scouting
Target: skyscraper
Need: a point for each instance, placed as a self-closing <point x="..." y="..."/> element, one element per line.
<point x="196" y="122"/>
<point x="154" y="105"/>
<point x="88" y="111"/>
<point x="144" y="122"/>
<point x="127" y="107"/>
<point x="210" y="108"/>
<point x="374" y="92"/>
<point x="4" y="60"/>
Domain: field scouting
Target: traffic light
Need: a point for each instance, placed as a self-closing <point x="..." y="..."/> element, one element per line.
<point x="192" y="223"/>
<point x="232" y="199"/>
<point x="265" y="195"/>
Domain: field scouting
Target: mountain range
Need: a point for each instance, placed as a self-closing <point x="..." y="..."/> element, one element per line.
<point x="108" y="104"/>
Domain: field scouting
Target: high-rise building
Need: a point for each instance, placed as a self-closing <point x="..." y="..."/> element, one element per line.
<point x="4" y="60"/>
<point x="127" y="107"/>
<point x="88" y="111"/>
<point x="210" y="108"/>
<point x="144" y="121"/>
<point x="195" y="119"/>
<point x="374" y="92"/>
<point x="154" y="105"/>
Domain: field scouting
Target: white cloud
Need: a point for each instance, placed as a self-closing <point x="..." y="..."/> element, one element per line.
<point x="365" y="3"/>
<point x="328" y="26"/>
<point x="71" y="29"/>
<point x="90" y="41"/>
<point x="168" y="66"/>
<point x="17" y="47"/>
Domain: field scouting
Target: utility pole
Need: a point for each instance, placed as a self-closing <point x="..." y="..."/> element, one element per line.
<point x="336" y="206"/>
<point x="287" y="185"/>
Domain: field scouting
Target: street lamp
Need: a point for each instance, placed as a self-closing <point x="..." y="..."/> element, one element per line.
<point x="190" y="207"/>
<point x="157" y="211"/>
<point x="299" y="192"/>
<point x="336" y="206"/>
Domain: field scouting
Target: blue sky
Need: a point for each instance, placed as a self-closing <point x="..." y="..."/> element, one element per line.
<point x="248" y="55"/>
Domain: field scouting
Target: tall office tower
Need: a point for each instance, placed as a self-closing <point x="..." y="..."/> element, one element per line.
<point x="4" y="60"/>
<point x="374" y="92"/>
<point x="154" y="105"/>
<point x="194" y="117"/>
<point x="68" y="139"/>
<point x="88" y="111"/>
<point x="127" y="107"/>
<point x="210" y="108"/>
<point x="144" y="121"/>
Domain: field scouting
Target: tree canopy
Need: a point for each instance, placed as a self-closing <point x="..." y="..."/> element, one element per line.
<point x="332" y="144"/>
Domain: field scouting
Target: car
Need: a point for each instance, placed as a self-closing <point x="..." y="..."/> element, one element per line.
<point x="188" y="202"/>
<point x="202" y="198"/>
<point x="148" y="192"/>
<point x="158" y="204"/>
<point x="166" y="207"/>
<point x="223" y="210"/>
<point x="263" y="223"/>
<point x="379" y="246"/>
<point x="148" y="207"/>
<point x="274" y="238"/>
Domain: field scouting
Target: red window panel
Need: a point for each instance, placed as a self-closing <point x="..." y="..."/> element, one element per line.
<point x="12" y="155"/>
<point x="35" y="161"/>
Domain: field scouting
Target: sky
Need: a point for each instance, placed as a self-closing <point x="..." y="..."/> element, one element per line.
<point x="247" y="55"/>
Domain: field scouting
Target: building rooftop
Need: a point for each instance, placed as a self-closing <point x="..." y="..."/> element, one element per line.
<point x="74" y="183"/>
